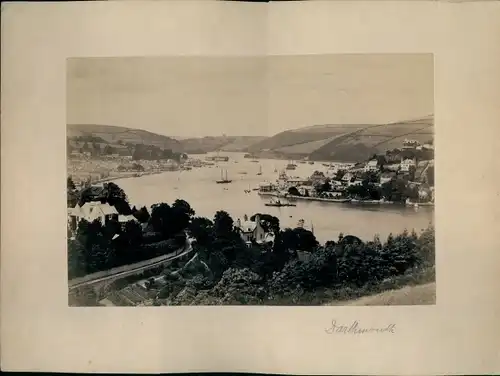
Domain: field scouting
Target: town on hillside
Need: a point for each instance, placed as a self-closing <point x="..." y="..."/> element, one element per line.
<point x="402" y="175"/>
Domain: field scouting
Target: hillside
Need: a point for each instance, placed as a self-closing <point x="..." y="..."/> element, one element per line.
<point x="113" y="134"/>
<point x="345" y="142"/>
<point x="224" y="143"/>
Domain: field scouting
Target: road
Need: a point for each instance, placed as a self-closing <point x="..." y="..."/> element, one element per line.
<point x="128" y="270"/>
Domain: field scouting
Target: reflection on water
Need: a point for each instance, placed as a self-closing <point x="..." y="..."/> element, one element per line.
<point x="198" y="187"/>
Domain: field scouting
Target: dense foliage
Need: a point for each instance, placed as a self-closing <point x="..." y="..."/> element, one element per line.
<point x="98" y="247"/>
<point x="227" y="270"/>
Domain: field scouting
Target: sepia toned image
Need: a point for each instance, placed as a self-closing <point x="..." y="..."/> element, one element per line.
<point x="271" y="180"/>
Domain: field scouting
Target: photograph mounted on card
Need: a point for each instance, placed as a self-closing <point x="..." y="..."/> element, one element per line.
<point x="285" y="180"/>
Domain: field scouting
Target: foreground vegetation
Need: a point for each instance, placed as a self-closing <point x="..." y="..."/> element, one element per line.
<point x="338" y="271"/>
<point x="293" y="269"/>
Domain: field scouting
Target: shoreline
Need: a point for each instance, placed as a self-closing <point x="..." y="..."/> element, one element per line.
<point x="346" y="200"/>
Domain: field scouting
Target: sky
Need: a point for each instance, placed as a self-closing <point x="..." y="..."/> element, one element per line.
<point x="253" y="96"/>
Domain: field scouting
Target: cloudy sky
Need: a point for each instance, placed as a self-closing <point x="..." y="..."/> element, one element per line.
<point x="200" y="96"/>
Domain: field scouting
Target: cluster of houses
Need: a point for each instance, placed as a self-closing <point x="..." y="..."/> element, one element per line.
<point x="401" y="163"/>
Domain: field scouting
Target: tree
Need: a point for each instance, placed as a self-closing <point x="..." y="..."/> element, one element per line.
<point x="325" y="187"/>
<point x="132" y="234"/>
<point x="161" y="219"/>
<point x="430" y="175"/>
<point x="293" y="191"/>
<point x="298" y="239"/>
<point x="339" y="175"/>
<point x="223" y="223"/>
<point x="142" y="215"/>
<point x="268" y="222"/>
<point x="115" y="196"/>
<point x="71" y="193"/>
<point x="182" y="214"/>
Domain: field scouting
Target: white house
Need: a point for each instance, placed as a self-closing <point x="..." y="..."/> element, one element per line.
<point x="347" y="177"/>
<point x="386" y="177"/>
<point x="371" y="166"/>
<point x="91" y="211"/>
<point x="356" y="182"/>
<point x="252" y="231"/>
<point x="410" y="144"/>
<point x="407" y="164"/>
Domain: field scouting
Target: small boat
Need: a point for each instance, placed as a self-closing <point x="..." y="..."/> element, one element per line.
<point x="223" y="180"/>
<point x="242" y="172"/>
<point x="291" y="166"/>
<point x="311" y="162"/>
<point x="278" y="203"/>
<point x="254" y="161"/>
<point x="260" y="171"/>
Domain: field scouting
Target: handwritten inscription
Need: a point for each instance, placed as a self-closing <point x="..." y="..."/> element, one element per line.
<point x="356" y="328"/>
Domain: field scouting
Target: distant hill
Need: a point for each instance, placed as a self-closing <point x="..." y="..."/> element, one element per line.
<point x="345" y="142"/>
<point x="224" y="143"/>
<point x="113" y="134"/>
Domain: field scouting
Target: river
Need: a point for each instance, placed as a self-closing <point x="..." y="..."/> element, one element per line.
<point x="198" y="187"/>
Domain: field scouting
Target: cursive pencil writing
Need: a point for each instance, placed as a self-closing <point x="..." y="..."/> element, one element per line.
<point x="356" y="328"/>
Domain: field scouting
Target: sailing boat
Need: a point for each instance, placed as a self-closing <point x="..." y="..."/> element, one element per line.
<point x="291" y="166"/>
<point x="260" y="170"/>
<point x="223" y="180"/>
<point x="248" y="190"/>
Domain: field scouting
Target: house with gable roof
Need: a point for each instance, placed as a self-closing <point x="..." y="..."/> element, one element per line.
<point x="252" y="231"/>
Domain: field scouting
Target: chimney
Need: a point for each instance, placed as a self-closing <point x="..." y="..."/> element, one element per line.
<point x="257" y="218"/>
<point x="238" y="223"/>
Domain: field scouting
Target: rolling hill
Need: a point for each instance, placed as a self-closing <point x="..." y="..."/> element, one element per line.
<point x="224" y="143"/>
<point x="345" y="142"/>
<point x="113" y="134"/>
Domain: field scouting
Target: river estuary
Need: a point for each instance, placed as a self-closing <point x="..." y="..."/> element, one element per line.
<point x="198" y="187"/>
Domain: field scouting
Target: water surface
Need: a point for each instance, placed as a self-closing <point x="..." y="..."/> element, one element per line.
<point x="198" y="187"/>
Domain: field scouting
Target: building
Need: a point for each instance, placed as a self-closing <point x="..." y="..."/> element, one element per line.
<point x="124" y="219"/>
<point x="252" y="231"/>
<point x="387" y="177"/>
<point x="407" y="164"/>
<point x="410" y="144"/>
<point x="371" y="166"/>
<point x="91" y="211"/>
<point x="392" y="167"/>
<point x="357" y="181"/>
<point x="347" y="177"/>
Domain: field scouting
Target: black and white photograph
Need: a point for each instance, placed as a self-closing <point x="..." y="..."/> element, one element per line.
<point x="303" y="180"/>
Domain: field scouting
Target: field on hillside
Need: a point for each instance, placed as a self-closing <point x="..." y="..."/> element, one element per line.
<point x="114" y="134"/>
<point x="349" y="141"/>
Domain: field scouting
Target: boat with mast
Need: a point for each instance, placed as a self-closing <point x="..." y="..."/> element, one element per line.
<point x="223" y="179"/>
<point x="291" y="166"/>
<point x="260" y="170"/>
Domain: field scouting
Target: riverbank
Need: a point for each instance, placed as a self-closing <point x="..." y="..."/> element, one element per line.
<point x="344" y="200"/>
